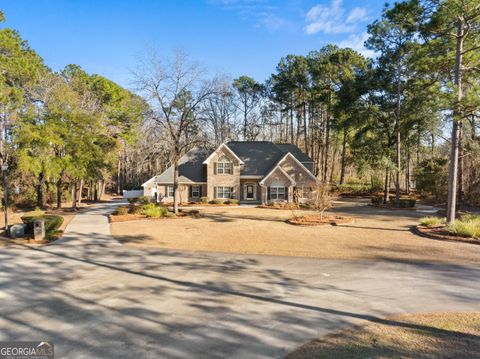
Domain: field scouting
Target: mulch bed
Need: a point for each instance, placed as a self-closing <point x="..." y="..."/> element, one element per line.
<point x="317" y="220"/>
<point x="441" y="234"/>
<point x="137" y="217"/>
<point x="283" y="208"/>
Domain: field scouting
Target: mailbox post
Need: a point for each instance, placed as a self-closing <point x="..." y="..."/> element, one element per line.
<point x="5" y="195"/>
<point x="38" y="230"/>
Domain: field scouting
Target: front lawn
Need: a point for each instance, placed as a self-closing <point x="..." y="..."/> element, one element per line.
<point x="431" y="335"/>
<point x="376" y="234"/>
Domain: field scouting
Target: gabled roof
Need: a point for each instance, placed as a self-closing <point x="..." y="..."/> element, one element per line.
<point x="277" y="167"/>
<point x="300" y="164"/>
<point x="190" y="168"/>
<point x="295" y="151"/>
<point x="223" y="146"/>
<point x="259" y="156"/>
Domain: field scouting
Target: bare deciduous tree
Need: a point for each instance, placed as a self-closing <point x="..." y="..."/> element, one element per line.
<point x="176" y="90"/>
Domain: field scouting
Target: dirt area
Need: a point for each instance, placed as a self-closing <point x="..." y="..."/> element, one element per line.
<point x="430" y="335"/>
<point x="379" y="234"/>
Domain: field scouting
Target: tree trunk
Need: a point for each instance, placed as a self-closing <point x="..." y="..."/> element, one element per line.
<point x="387" y="186"/>
<point x="40" y="183"/>
<point x="175" y="186"/>
<point x="80" y="190"/>
<point x="344" y="149"/>
<point x="59" y="191"/>
<point x="74" y="194"/>
<point x="453" y="173"/>
<point x="398" y="144"/>
<point x="460" y="162"/>
<point x="305" y="128"/>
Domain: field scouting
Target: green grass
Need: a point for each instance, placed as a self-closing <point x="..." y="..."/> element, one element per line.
<point x="467" y="226"/>
<point x="432" y="221"/>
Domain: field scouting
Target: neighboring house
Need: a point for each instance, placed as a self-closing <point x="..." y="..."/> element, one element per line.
<point x="249" y="171"/>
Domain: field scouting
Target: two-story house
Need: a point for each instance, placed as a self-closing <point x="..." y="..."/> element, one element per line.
<point x="250" y="171"/>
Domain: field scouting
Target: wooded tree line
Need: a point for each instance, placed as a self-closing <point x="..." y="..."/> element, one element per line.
<point x="60" y="132"/>
<point x="410" y="113"/>
<point x="408" y="116"/>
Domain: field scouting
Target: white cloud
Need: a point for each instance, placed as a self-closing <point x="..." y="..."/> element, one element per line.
<point x="358" y="14"/>
<point x="331" y="19"/>
<point x="356" y="42"/>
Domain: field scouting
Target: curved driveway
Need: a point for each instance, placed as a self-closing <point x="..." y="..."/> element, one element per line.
<point x="97" y="299"/>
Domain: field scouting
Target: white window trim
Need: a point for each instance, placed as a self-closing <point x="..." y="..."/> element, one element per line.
<point x="171" y="188"/>
<point x="277" y="188"/>
<point x="223" y="161"/>
<point x="197" y="191"/>
<point x="254" y="192"/>
<point x="223" y="192"/>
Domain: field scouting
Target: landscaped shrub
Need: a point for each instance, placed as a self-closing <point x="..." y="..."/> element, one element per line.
<point x="232" y="201"/>
<point x="432" y="221"/>
<point x="144" y="200"/>
<point x="216" y="201"/>
<point x="153" y="211"/>
<point x="377" y="200"/>
<point x="132" y="200"/>
<point x="52" y="222"/>
<point x="170" y="214"/>
<point x="204" y="200"/>
<point x="133" y="209"/>
<point x="466" y="226"/>
<point x="404" y="202"/>
<point x="121" y="211"/>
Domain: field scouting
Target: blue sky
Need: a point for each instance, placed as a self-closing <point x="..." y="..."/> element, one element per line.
<point x="232" y="37"/>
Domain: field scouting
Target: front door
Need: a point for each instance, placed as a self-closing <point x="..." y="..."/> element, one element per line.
<point x="249" y="190"/>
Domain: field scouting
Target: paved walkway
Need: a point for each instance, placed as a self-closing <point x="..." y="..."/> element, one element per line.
<point x="96" y="299"/>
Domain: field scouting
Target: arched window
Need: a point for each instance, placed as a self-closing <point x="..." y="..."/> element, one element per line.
<point x="224" y="166"/>
<point x="277" y="190"/>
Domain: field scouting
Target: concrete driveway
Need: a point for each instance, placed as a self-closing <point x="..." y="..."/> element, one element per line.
<point x="97" y="299"/>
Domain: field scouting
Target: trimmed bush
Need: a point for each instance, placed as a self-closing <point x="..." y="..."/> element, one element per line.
<point x="432" y="221"/>
<point x="52" y="222"/>
<point x="377" y="200"/>
<point x="121" y="211"/>
<point x="143" y="200"/>
<point x="404" y="202"/>
<point x="232" y="201"/>
<point x="204" y="200"/>
<point x="153" y="211"/>
<point x="135" y="209"/>
<point x="216" y="201"/>
<point x="132" y="200"/>
<point x="170" y="215"/>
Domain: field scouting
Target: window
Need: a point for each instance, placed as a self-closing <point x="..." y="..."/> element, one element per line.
<point x="223" y="192"/>
<point x="277" y="193"/>
<point x="170" y="191"/>
<point x="195" y="191"/>
<point x="224" y="166"/>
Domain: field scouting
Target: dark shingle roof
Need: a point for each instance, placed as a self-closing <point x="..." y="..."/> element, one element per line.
<point x="294" y="150"/>
<point x="190" y="169"/>
<point x="259" y="157"/>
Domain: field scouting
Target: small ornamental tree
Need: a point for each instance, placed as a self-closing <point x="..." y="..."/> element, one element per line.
<point x="320" y="199"/>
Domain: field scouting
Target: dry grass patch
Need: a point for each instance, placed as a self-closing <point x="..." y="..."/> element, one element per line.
<point x="429" y="335"/>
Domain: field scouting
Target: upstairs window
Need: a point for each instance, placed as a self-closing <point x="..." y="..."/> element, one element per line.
<point x="224" y="166"/>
